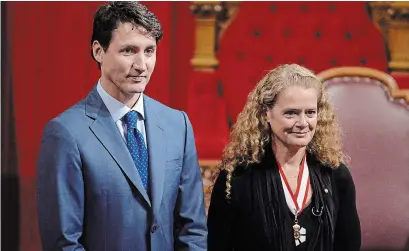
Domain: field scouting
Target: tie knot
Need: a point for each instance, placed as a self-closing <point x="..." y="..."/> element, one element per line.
<point x="130" y="119"/>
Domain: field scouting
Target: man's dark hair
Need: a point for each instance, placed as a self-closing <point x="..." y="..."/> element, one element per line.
<point x="111" y="14"/>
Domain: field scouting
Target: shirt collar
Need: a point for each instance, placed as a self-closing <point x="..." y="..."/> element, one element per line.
<point x="118" y="109"/>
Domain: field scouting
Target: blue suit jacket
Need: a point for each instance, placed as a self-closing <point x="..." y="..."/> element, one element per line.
<point x="89" y="193"/>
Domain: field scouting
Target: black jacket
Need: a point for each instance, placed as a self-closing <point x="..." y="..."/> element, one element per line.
<point x="238" y="224"/>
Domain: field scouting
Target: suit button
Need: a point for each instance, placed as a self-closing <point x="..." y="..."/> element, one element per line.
<point x="154" y="228"/>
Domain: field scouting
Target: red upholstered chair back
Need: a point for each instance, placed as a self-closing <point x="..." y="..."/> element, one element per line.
<point x="374" y="116"/>
<point x="318" y="35"/>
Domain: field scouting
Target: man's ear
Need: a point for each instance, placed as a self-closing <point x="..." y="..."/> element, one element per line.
<point x="98" y="51"/>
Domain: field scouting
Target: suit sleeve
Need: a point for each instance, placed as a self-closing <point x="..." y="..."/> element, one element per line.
<point x="190" y="218"/>
<point x="348" y="228"/>
<point x="60" y="190"/>
<point x="219" y="221"/>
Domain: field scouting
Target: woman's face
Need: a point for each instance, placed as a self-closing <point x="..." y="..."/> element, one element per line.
<point x="293" y="118"/>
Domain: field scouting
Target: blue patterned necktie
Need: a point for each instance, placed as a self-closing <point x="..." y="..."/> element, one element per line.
<point x="136" y="146"/>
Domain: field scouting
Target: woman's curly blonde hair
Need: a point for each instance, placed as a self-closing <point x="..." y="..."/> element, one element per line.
<point x="251" y="132"/>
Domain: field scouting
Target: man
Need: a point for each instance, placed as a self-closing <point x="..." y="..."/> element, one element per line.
<point x="118" y="171"/>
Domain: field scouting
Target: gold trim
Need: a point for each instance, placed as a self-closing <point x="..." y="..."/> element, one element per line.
<point x="208" y="168"/>
<point x="392" y="19"/>
<point x="205" y="13"/>
<point x="210" y="163"/>
<point x="357" y="71"/>
<point x="232" y="9"/>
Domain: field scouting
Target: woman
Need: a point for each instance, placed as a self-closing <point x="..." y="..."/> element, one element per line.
<point x="282" y="184"/>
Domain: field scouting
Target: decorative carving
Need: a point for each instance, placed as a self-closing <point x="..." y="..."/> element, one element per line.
<point x="225" y="17"/>
<point x="209" y="170"/>
<point x="205" y="9"/>
<point x="363" y="72"/>
<point x="212" y="19"/>
<point x="392" y="19"/>
<point x="204" y="55"/>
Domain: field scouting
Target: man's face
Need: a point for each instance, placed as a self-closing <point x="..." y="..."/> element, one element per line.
<point x="128" y="62"/>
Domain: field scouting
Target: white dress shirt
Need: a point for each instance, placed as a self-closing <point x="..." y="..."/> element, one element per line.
<point x="118" y="110"/>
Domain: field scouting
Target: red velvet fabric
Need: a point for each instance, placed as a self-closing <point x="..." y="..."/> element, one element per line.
<point x="52" y="69"/>
<point x="208" y="114"/>
<point x="402" y="79"/>
<point x="319" y="35"/>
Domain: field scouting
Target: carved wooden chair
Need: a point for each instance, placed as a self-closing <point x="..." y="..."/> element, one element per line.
<point x="374" y="116"/>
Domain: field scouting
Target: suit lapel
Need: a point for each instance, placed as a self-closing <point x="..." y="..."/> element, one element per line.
<point x="156" y="150"/>
<point x="108" y="134"/>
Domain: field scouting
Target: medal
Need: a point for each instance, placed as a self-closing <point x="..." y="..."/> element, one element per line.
<point x="297" y="201"/>
<point x="299" y="232"/>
